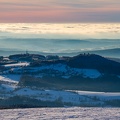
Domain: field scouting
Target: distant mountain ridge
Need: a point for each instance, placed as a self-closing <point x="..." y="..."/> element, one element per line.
<point x="112" y="53"/>
<point x="106" y="52"/>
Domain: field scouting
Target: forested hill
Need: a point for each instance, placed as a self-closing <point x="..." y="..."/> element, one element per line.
<point x="93" y="61"/>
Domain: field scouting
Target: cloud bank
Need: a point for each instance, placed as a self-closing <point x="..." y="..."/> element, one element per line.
<point x="59" y="31"/>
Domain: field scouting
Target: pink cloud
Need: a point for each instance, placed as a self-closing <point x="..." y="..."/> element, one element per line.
<point x="59" y="11"/>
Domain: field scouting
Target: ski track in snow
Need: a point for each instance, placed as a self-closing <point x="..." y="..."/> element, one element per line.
<point x="10" y="78"/>
<point x="17" y="64"/>
<point x="73" y="113"/>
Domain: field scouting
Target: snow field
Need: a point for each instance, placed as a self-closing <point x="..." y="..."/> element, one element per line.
<point x="73" y="97"/>
<point x="91" y="73"/>
<point x="73" y="113"/>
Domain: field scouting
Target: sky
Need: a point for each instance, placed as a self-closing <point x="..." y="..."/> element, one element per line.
<point x="59" y="11"/>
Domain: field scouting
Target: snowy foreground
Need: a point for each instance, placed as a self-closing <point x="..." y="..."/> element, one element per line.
<point x="61" y="114"/>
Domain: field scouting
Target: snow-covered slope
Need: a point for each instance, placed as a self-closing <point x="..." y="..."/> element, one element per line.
<point x="9" y="88"/>
<point x="52" y="95"/>
<point x="101" y="95"/>
<point x="63" y="69"/>
<point x="66" y="94"/>
<point x="9" y="85"/>
<point x="91" y="73"/>
<point x="73" y="98"/>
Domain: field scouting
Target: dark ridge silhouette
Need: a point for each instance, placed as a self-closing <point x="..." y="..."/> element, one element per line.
<point x="18" y="56"/>
<point x="93" y="61"/>
<point x="88" y="61"/>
